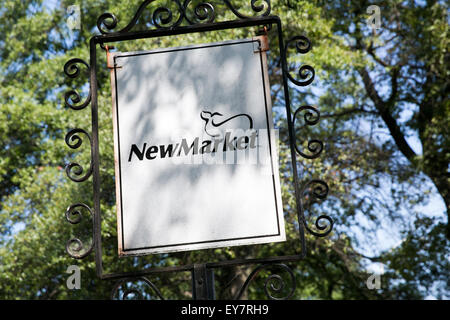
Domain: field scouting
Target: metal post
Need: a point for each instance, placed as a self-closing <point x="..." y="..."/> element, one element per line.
<point x="203" y="283"/>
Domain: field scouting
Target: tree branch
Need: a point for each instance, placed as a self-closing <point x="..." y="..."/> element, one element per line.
<point x="384" y="111"/>
<point x="394" y="84"/>
<point x="344" y="112"/>
<point x="371" y="52"/>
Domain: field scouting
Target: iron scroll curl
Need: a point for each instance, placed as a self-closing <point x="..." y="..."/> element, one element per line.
<point x="312" y="114"/>
<point x="311" y="117"/>
<point x="274" y="284"/>
<point x="75" y="246"/>
<point x="324" y="223"/>
<point x="72" y="98"/>
<point x="203" y="12"/>
<point x="163" y="16"/>
<point x="73" y="169"/>
<point x="119" y="291"/>
<point x="306" y="72"/>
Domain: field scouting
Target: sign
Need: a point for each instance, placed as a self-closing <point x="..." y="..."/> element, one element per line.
<point x="195" y="149"/>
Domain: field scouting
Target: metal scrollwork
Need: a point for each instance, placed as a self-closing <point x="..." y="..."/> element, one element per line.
<point x="319" y="190"/>
<point x="72" y="98"/>
<point x="305" y="72"/>
<point x="311" y="117"/>
<point x="74" y="141"/>
<point x="75" y="246"/>
<point x="203" y="12"/>
<point x="134" y="293"/>
<point x="264" y="9"/>
<point x="108" y="20"/>
<point x="274" y="285"/>
<point x="323" y="224"/>
<point x="163" y="17"/>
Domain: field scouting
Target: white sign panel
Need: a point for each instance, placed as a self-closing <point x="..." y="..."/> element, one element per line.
<point x="195" y="149"/>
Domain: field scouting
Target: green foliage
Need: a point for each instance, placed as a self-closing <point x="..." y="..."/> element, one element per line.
<point x="377" y="91"/>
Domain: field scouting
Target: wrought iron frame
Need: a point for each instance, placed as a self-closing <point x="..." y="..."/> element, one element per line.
<point x="201" y="19"/>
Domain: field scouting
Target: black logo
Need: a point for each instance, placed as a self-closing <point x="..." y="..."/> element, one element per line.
<point x="214" y="120"/>
<point x="224" y="133"/>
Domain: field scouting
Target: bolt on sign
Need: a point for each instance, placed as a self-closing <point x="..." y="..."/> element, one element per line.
<point x="195" y="149"/>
